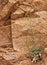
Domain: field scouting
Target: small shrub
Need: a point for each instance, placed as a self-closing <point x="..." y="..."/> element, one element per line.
<point x="35" y="54"/>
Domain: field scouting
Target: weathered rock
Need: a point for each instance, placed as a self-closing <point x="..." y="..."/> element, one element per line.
<point x="42" y="14"/>
<point x="26" y="8"/>
<point x="5" y="22"/>
<point x="9" y="56"/>
<point x="21" y="31"/>
<point x="2" y="4"/>
<point x="4" y="62"/>
<point x="5" y="35"/>
<point x="24" y="31"/>
<point x="17" y="14"/>
<point x="13" y="1"/>
<point x="5" y="13"/>
<point x="24" y="62"/>
<point x="39" y="5"/>
<point x="23" y="11"/>
<point x="14" y="56"/>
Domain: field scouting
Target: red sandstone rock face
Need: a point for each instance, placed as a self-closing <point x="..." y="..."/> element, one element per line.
<point x="6" y="11"/>
<point x="20" y="20"/>
<point x="5" y="35"/>
<point x="21" y="29"/>
<point x="17" y="14"/>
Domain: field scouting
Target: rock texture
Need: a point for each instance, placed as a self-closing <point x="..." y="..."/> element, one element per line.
<point x="23" y="24"/>
<point x="21" y="30"/>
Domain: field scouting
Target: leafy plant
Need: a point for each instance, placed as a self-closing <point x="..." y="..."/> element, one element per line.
<point x="35" y="54"/>
<point x="36" y="50"/>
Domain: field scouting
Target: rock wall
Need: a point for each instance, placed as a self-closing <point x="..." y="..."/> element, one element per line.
<point x="23" y="24"/>
<point x="28" y="30"/>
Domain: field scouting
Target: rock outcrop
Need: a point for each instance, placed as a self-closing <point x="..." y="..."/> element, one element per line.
<point x="23" y="25"/>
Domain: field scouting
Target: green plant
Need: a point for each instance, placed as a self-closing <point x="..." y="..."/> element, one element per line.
<point x="35" y="54"/>
<point x="32" y="35"/>
<point x="36" y="51"/>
